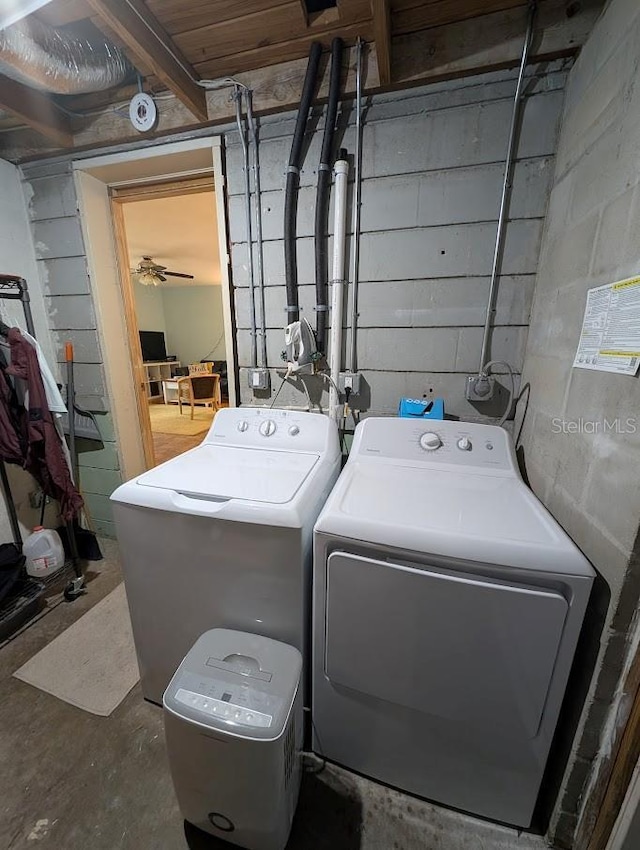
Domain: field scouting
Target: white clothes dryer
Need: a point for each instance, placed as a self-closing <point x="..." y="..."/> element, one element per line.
<point x="447" y="607"/>
<point x="221" y="536"/>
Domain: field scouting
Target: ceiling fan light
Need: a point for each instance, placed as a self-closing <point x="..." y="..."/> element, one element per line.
<point x="147" y="278"/>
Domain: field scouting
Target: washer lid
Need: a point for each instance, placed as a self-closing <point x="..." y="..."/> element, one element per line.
<point x="227" y="472"/>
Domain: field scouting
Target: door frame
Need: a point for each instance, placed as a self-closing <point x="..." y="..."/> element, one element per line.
<point x="119" y="196"/>
<point x="626" y="756"/>
<point x="94" y="177"/>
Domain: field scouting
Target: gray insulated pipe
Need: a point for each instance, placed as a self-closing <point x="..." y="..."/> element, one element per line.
<point x="59" y="62"/>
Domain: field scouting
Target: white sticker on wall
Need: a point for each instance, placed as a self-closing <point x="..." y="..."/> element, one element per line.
<point x="610" y="336"/>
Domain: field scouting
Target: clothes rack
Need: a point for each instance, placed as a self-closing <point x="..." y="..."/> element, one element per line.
<point x="15" y="288"/>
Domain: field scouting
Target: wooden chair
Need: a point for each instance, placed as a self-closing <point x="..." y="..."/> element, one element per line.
<point x="199" y="389"/>
<point x="201" y="368"/>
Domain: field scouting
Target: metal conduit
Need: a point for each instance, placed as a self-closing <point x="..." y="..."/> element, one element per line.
<point x="506" y="188"/>
<point x="258" y="201"/>
<point x="247" y="204"/>
<point x="352" y="364"/>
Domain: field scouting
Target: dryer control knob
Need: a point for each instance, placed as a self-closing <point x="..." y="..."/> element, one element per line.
<point x="243" y="425"/>
<point x="268" y="427"/>
<point x="294" y="431"/>
<point x="430" y="441"/>
<point x="464" y="444"/>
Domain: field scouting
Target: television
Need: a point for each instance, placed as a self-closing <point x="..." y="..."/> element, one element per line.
<point x="153" y="346"/>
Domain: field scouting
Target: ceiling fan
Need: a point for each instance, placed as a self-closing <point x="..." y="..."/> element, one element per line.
<point x="151" y="274"/>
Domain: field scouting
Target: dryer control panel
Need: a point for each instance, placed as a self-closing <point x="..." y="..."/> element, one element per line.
<point x="446" y="442"/>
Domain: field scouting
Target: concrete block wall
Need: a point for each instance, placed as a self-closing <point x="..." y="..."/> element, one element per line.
<point x="433" y="161"/>
<point x="64" y="281"/>
<point x="589" y="478"/>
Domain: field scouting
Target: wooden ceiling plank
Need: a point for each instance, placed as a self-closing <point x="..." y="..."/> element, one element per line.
<point x="401" y="5"/>
<point x="176" y="16"/>
<point x="277" y="25"/>
<point x="135" y="25"/>
<point x="451" y="11"/>
<point x="276" y="54"/>
<point x="382" y="36"/>
<point x="491" y="42"/>
<point x="37" y="111"/>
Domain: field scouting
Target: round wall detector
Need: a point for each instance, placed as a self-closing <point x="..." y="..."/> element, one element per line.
<point x="143" y="112"/>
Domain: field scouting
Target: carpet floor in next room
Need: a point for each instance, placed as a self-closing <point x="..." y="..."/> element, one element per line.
<point x="75" y="781"/>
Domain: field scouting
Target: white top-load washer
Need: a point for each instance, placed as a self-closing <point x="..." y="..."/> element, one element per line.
<point x="221" y="536"/>
<point x="447" y="607"/>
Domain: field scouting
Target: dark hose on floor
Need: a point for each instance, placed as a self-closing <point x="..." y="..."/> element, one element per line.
<point x="322" y="196"/>
<point x="293" y="183"/>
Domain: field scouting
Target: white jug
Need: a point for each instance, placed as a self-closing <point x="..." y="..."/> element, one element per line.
<point x="44" y="552"/>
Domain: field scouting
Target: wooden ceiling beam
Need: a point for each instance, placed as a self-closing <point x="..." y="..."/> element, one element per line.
<point x="149" y="43"/>
<point x="37" y="111"/>
<point x="380" y="10"/>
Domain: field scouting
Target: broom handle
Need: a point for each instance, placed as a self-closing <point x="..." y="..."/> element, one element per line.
<point x="71" y="403"/>
<point x="71" y="397"/>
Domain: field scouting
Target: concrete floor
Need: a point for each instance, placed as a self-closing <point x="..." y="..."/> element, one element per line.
<point x="74" y="781"/>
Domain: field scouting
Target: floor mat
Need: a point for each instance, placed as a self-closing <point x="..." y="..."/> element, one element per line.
<point x="166" y="419"/>
<point x="92" y="664"/>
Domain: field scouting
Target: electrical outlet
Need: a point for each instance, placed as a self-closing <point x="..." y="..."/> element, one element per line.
<point x="259" y="379"/>
<point x="480" y="387"/>
<point x="349" y="382"/>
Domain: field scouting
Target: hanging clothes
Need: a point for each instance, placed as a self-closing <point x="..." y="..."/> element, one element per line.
<point x="44" y="457"/>
<point x="13" y="419"/>
<point x="55" y="401"/>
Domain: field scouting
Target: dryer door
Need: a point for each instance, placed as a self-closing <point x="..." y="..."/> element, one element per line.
<point x="470" y="650"/>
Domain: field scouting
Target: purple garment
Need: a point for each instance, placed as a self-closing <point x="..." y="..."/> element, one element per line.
<point x="44" y="458"/>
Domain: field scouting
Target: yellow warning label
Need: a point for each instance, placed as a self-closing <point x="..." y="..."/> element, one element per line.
<point x="619" y="353"/>
<point x="624" y="284"/>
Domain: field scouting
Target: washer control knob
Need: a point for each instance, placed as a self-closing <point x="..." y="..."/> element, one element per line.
<point x="294" y="431"/>
<point x="268" y="427"/>
<point x="464" y="444"/>
<point x="430" y="441"/>
<point x="243" y="425"/>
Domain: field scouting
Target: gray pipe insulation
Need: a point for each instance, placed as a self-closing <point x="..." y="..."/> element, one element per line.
<point x="59" y="62"/>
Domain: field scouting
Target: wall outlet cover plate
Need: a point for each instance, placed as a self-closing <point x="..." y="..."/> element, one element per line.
<point x="472" y="393"/>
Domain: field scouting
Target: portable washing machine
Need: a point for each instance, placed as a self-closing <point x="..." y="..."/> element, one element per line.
<point x="447" y="608"/>
<point x="221" y="536"/>
<point x="233" y="726"/>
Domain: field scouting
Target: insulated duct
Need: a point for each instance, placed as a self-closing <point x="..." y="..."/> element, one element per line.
<point x="59" y="62"/>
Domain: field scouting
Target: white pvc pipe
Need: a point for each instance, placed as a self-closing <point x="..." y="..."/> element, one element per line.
<point x="341" y="171"/>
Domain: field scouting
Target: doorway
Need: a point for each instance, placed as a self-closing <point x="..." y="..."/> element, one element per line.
<point x="125" y="176"/>
<point x="171" y="279"/>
